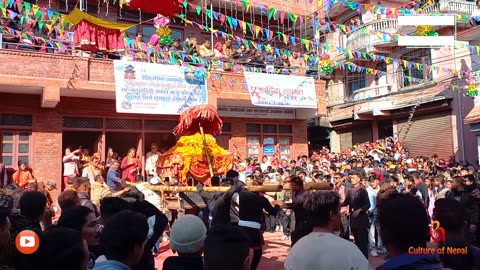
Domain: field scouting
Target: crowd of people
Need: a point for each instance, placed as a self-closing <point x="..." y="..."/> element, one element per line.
<point x="371" y="199"/>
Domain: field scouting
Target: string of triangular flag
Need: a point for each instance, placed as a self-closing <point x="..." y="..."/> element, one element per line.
<point x="329" y="48"/>
<point x="47" y="18"/>
<point x="396" y="11"/>
<point x="271" y="12"/>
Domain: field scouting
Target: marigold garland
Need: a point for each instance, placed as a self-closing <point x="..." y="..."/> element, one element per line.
<point x="192" y="149"/>
<point x="426" y="30"/>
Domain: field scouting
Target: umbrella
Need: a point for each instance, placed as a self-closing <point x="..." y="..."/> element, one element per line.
<point x="167" y="8"/>
<point x="199" y="119"/>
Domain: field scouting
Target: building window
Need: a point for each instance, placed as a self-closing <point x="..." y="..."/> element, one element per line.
<point x="381" y="79"/>
<point x="411" y="73"/>
<point x="354" y="82"/>
<point x="146" y="30"/>
<point x="15" y="147"/>
<point x="16" y="120"/>
<point x="268" y="140"/>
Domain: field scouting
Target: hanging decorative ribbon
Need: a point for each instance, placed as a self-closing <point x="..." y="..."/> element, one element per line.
<point x="426" y="30"/>
<point x="163" y="32"/>
<point x="472" y="86"/>
<point x="326" y="64"/>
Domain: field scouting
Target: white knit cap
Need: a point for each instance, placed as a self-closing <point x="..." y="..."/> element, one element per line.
<point x="188" y="234"/>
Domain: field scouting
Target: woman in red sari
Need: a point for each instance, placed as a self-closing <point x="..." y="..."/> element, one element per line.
<point x="130" y="166"/>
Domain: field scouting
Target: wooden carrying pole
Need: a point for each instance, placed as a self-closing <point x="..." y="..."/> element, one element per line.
<point x="264" y="188"/>
<point x="206" y="150"/>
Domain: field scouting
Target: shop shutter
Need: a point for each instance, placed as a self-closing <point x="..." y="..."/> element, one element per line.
<point x="428" y="135"/>
<point x="362" y="133"/>
<point x="345" y="139"/>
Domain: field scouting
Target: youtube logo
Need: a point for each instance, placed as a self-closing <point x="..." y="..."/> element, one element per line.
<point x="27" y="242"/>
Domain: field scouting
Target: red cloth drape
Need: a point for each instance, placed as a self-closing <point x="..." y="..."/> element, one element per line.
<point x="167" y="8"/>
<point x="94" y="38"/>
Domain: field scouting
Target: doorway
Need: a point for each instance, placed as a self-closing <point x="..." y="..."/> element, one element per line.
<point x="164" y="141"/>
<point x="385" y="128"/>
<point x="121" y="142"/>
<point x="90" y="140"/>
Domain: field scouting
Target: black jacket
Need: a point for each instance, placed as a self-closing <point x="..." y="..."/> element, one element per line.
<point x="357" y="198"/>
<point x="183" y="263"/>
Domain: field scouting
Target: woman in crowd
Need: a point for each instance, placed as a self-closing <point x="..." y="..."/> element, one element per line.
<point x="70" y="164"/>
<point x="130" y="166"/>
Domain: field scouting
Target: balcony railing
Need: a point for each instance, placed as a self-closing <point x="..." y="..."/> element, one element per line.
<point x="371" y="92"/>
<point x="453" y="6"/>
<point x="362" y="39"/>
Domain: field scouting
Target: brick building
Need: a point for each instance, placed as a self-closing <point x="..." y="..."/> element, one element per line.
<point x="367" y="106"/>
<point x="50" y="101"/>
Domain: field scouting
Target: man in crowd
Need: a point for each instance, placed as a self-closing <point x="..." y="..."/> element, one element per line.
<point x="463" y="195"/>
<point x="320" y="249"/>
<point x="422" y="188"/>
<point x="83" y="187"/>
<point x="404" y="224"/>
<point x="93" y="168"/>
<point x="151" y="162"/>
<point x="123" y="239"/>
<point x="302" y="225"/>
<point x="99" y="191"/>
<point x="451" y="216"/>
<point x="357" y="200"/>
<point x="113" y="177"/>
<point x="342" y="190"/>
<point x="226" y="245"/>
<point x="190" y="45"/>
<point x="187" y="238"/>
<point x="440" y="186"/>
<point x="373" y="189"/>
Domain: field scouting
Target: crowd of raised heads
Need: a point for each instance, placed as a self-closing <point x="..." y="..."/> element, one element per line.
<point x="380" y="202"/>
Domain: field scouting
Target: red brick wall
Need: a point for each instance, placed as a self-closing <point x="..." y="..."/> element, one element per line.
<point x="47" y="128"/>
<point x="46" y="134"/>
<point x="239" y="134"/>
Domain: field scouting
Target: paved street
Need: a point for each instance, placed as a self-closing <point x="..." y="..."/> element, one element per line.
<point x="273" y="256"/>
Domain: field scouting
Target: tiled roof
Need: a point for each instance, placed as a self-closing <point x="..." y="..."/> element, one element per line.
<point x="473" y="116"/>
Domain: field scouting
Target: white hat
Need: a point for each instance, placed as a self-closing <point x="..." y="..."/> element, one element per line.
<point x="188" y="234"/>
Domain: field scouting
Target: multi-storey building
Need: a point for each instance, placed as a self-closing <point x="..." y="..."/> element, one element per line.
<point x="52" y="100"/>
<point x="415" y="93"/>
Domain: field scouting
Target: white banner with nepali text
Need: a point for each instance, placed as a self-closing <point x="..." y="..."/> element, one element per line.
<point x="274" y="90"/>
<point x="149" y="88"/>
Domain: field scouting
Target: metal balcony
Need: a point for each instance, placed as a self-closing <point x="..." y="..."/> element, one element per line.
<point x="451" y="6"/>
<point x="371" y="92"/>
<point x="360" y="40"/>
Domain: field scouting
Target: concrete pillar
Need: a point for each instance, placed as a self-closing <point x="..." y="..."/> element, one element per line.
<point x="50" y="96"/>
<point x="374" y="130"/>
<point x="395" y="128"/>
<point x="334" y="141"/>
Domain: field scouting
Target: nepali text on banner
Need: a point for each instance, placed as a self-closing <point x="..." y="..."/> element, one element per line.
<point x="281" y="91"/>
<point x="157" y="89"/>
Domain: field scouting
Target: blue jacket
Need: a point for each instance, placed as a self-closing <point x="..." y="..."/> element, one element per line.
<point x="113" y="180"/>
<point x="413" y="262"/>
<point x="110" y="265"/>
